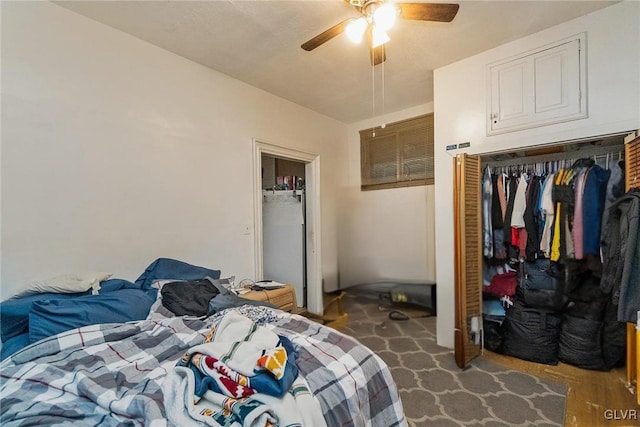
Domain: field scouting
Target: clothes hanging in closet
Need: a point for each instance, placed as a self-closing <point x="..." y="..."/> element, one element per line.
<point x="544" y="221"/>
<point x="621" y="254"/>
<point x="528" y="216"/>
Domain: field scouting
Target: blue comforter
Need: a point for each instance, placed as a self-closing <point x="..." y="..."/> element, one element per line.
<point x="26" y="320"/>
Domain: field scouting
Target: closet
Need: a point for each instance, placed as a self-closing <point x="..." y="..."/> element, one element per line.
<point x="573" y="321"/>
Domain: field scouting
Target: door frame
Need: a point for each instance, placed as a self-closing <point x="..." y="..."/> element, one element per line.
<point x="313" y="247"/>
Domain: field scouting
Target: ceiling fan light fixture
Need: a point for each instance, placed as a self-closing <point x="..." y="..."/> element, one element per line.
<point x="377" y="17"/>
<point x="355" y="29"/>
<point x="385" y="16"/>
<point x="378" y="37"/>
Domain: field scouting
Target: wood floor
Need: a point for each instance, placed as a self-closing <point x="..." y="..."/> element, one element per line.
<point x="594" y="398"/>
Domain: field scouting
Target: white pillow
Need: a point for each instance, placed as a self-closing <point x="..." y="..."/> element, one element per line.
<point x="67" y="283"/>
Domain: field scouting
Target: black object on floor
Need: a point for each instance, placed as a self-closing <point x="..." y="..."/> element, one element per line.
<point x="388" y="292"/>
<point x="398" y="315"/>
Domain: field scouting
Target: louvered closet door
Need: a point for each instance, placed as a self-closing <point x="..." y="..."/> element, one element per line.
<point x="632" y="180"/>
<point x="468" y="258"/>
<point x="632" y="164"/>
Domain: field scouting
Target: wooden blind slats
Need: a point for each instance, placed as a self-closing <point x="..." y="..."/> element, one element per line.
<point x="632" y="180"/>
<point x="381" y="157"/>
<point x="399" y="155"/>
<point x="468" y="259"/>
<point x="632" y="164"/>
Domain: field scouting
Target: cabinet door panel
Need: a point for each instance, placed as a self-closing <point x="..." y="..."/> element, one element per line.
<point x="557" y="90"/>
<point x="550" y="81"/>
<point x="511" y="101"/>
<point x="538" y="88"/>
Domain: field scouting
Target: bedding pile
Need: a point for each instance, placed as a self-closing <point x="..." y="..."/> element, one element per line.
<point x="244" y="374"/>
<point x="113" y="375"/>
<point x="245" y="365"/>
<point x="27" y="319"/>
<point x="56" y="305"/>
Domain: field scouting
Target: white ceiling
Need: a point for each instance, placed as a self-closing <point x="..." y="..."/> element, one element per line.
<point x="258" y="42"/>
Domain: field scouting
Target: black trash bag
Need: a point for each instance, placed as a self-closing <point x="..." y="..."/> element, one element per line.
<point x="581" y="343"/>
<point x="614" y="341"/>
<point x="587" y="300"/>
<point x="492" y="332"/>
<point x="531" y="334"/>
<point x="541" y="285"/>
<point x="591" y="336"/>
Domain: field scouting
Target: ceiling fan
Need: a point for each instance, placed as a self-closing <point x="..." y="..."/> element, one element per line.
<point x="377" y="17"/>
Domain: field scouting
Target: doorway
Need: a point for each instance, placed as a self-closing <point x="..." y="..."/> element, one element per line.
<point x="283" y="223"/>
<point x="311" y="256"/>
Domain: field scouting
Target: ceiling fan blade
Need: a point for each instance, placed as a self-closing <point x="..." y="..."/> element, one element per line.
<point x="441" y="12"/>
<point x="325" y="36"/>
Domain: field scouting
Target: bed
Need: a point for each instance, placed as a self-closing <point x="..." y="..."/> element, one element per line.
<point x="166" y="369"/>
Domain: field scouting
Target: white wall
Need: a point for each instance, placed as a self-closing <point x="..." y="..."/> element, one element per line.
<point x="385" y="234"/>
<point x="613" y="73"/>
<point x="116" y="152"/>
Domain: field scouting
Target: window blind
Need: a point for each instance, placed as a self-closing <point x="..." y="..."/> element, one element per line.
<point x="399" y="155"/>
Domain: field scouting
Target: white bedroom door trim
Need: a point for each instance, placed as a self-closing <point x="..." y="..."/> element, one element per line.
<point x="312" y="196"/>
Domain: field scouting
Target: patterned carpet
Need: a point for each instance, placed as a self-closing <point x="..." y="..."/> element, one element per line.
<point x="434" y="390"/>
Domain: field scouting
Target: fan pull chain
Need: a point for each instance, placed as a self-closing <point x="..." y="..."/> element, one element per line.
<point x="373" y="91"/>
<point x="383" y="125"/>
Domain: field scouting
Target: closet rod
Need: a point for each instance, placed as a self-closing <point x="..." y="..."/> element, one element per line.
<point x="585" y="152"/>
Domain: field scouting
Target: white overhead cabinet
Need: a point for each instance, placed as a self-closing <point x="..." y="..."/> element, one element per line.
<point x="539" y="87"/>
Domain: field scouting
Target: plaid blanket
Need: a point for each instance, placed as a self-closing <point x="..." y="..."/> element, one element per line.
<point x="112" y="374"/>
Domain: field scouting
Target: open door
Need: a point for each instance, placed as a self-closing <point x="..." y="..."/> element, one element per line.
<point x="467" y="207"/>
<point x="313" y="243"/>
<point x="632" y="180"/>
